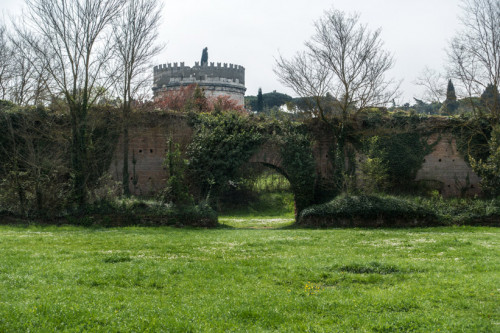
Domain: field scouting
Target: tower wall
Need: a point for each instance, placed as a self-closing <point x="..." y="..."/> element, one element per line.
<point x="215" y="79"/>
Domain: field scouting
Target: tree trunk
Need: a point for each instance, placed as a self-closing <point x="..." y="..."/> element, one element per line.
<point x="79" y="154"/>
<point x="126" y="175"/>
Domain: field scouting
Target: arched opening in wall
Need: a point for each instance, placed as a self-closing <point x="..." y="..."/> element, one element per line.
<point x="262" y="198"/>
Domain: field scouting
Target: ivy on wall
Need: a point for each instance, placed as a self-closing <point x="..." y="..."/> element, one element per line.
<point x="405" y="154"/>
<point x="472" y="137"/>
<point x="298" y="163"/>
<point x="224" y="142"/>
<point x="221" y="144"/>
<point x="35" y="168"/>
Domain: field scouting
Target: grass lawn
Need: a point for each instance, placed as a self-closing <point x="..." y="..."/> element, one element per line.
<point x="230" y="279"/>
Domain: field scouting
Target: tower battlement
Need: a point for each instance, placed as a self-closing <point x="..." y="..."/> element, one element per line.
<point x="180" y="66"/>
<point x="216" y="79"/>
<point x="173" y="72"/>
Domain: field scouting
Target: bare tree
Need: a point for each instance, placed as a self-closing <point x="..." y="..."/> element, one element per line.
<point x="29" y="84"/>
<point x="434" y="84"/>
<point x="5" y="62"/>
<point x="69" y="40"/>
<point x="342" y="71"/>
<point x="475" y="52"/>
<point x="34" y="170"/>
<point x="346" y="60"/>
<point x="309" y="78"/>
<point x="135" y="35"/>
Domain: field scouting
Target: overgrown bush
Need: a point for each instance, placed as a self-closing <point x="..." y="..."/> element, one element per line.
<point x="222" y="143"/>
<point x="367" y="211"/>
<point x="388" y="211"/>
<point x="35" y="170"/>
<point x="489" y="169"/>
<point x="176" y="190"/>
<point x="405" y="154"/>
<point x="374" y="172"/>
<point x="463" y="211"/>
<point x="138" y="212"/>
<point x="298" y="163"/>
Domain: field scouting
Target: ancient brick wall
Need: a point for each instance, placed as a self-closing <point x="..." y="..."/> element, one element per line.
<point x="443" y="169"/>
<point x="446" y="166"/>
<point x="148" y="146"/>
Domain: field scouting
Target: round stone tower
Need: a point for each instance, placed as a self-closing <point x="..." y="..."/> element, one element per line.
<point x="215" y="79"/>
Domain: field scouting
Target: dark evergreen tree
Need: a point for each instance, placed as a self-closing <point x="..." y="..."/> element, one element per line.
<point x="450" y="92"/>
<point x="490" y="99"/>
<point x="260" y="101"/>
<point x="204" y="57"/>
<point x="450" y="105"/>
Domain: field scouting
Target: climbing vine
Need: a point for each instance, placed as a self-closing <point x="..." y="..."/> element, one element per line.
<point x="221" y="144"/>
<point x="298" y="163"/>
<point x="405" y="154"/>
<point x="224" y="142"/>
<point x="472" y="137"/>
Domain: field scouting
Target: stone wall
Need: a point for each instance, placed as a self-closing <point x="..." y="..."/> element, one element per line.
<point x="164" y="73"/>
<point x="446" y="166"/>
<point x="443" y="169"/>
<point x="148" y="145"/>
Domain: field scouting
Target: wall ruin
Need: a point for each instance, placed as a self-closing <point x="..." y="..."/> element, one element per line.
<point x="444" y="169"/>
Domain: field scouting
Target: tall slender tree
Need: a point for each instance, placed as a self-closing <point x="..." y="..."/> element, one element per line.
<point x="450" y="105"/>
<point x="204" y="57"/>
<point x="70" y="41"/>
<point x="5" y="62"/>
<point x="260" y="101"/>
<point x="490" y="99"/>
<point x="135" y="38"/>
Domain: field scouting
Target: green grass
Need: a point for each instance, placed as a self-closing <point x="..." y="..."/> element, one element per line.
<point x="257" y="222"/>
<point x="275" y="204"/>
<point x="165" y="279"/>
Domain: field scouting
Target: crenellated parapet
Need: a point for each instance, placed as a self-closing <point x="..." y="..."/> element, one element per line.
<point x="179" y="66"/>
<point x="215" y="78"/>
<point x="165" y="73"/>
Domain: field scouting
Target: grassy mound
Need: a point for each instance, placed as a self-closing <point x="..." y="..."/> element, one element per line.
<point x="368" y="211"/>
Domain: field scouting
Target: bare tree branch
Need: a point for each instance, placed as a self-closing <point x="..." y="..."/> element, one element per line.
<point x="68" y="38"/>
<point x="434" y="84"/>
<point x="343" y="59"/>
<point x="475" y="52"/>
<point x="135" y="36"/>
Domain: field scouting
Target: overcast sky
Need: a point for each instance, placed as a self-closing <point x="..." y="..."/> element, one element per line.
<point x="252" y="33"/>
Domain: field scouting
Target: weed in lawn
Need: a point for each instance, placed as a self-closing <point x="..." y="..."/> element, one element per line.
<point x="116" y="258"/>
<point x="369" y="268"/>
<point x="311" y="288"/>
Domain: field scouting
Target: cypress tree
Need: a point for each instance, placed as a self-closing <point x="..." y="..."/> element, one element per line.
<point x="204" y="57"/>
<point x="450" y="105"/>
<point x="450" y="92"/>
<point x="260" y="101"/>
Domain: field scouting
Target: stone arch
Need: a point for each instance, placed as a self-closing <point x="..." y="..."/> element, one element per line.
<point x="269" y="155"/>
